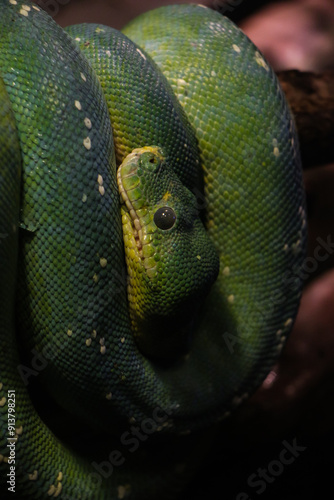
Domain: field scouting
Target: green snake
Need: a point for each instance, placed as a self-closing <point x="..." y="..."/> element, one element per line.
<point x="152" y="227"/>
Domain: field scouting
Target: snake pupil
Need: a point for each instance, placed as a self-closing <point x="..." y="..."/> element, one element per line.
<point x="164" y="218"/>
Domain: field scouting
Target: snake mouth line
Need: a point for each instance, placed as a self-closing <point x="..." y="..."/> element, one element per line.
<point x="137" y="230"/>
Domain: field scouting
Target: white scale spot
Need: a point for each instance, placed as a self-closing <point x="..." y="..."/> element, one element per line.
<point x="103" y="262"/>
<point x="296" y="247"/>
<point x="51" y="491"/>
<point x="226" y="271"/>
<point x="87" y="143"/>
<point x="95" y="278"/>
<point x="236" y="48"/>
<point x="83" y="77"/>
<point x="276" y="151"/>
<point x="140" y="52"/>
<point x="26" y="7"/>
<point x="280" y="347"/>
<point x="58" y="490"/>
<point x="94" y="334"/>
<point x="213" y="26"/>
<point x="260" y="61"/>
<point x="100" y="182"/>
<point x="213" y="73"/>
<point x="84" y="198"/>
<point x="103" y="349"/>
<point x="78" y="39"/>
<point x="78" y="105"/>
<point x="60" y="476"/>
<point x="198" y="257"/>
<point x="88" y="342"/>
<point x="108" y="53"/>
<point x="288" y="322"/>
<point x="69" y="333"/>
<point x="181" y="82"/>
<point x="24" y="12"/>
<point x="88" y="123"/>
<point x="19" y="430"/>
<point x="2" y="401"/>
<point x="13" y="2"/>
<point x="230" y="299"/>
<point x="33" y="476"/>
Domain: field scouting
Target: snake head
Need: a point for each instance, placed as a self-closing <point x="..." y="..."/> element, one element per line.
<point x="170" y="259"/>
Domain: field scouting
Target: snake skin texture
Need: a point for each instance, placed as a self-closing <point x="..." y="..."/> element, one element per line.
<point x="85" y="413"/>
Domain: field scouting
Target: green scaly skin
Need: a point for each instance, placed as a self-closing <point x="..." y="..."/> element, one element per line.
<point x="63" y="272"/>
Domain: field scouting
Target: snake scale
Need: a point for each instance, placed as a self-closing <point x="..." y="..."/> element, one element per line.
<point x="152" y="227"/>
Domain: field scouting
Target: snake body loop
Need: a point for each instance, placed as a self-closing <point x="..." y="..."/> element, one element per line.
<point x="86" y="319"/>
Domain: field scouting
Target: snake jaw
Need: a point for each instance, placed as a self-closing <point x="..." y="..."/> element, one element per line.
<point x="136" y="218"/>
<point x="130" y="218"/>
<point x="132" y="238"/>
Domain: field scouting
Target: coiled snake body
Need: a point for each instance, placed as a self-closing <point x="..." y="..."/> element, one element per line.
<point x="172" y="324"/>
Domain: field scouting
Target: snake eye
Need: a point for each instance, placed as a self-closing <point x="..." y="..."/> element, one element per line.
<point x="165" y="218"/>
